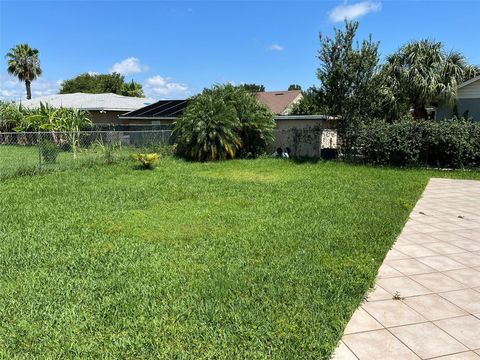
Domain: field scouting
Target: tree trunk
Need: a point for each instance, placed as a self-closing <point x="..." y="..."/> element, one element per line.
<point x="29" y="92"/>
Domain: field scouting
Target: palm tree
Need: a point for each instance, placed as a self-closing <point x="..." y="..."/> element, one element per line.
<point x="23" y="62"/>
<point x="422" y="73"/>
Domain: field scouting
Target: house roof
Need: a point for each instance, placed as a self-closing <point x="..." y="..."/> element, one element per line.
<point x="468" y="82"/>
<point x="106" y="102"/>
<point x="278" y="101"/>
<point x="163" y="109"/>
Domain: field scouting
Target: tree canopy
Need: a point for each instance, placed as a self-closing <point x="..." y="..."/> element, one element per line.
<point x="254" y="88"/>
<point x="23" y="62"/>
<point x="101" y="83"/>
<point x="422" y="73"/>
<point x="223" y="122"/>
<point x="294" y="87"/>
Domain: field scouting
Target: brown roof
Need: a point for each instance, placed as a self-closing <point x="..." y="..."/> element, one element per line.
<point x="278" y="101"/>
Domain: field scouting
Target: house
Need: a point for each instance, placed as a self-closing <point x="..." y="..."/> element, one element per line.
<point x="103" y="108"/>
<point x="467" y="103"/>
<point x="304" y="135"/>
<point x="280" y="103"/>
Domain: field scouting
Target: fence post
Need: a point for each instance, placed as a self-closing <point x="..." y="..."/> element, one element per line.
<point x="39" y="145"/>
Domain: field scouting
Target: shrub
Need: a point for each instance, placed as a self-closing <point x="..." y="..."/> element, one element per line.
<point x="49" y="151"/>
<point x="222" y="123"/>
<point x="451" y="143"/>
<point x="147" y="161"/>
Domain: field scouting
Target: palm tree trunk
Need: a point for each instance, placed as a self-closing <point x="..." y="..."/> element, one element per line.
<point x="29" y="92"/>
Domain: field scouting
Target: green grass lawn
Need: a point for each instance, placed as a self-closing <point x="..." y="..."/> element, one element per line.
<point x="234" y="260"/>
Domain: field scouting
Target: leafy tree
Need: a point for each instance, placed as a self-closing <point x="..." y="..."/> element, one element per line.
<point x="294" y="87"/>
<point x="222" y="123"/>
<point x="132" y="89"/>
<point x="24" y="63"/>
<point x="422" y="73"/>
<point x="101" y="83"/>
<point x="348" y="78"/>
<point x="312" y="103"/>
<point x="254" y="88"/>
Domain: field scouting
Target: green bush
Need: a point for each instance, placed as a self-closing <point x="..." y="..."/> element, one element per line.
<point x="49" y="151"/>
<point x="451" y="143"/>
<point x="222" y="123"/>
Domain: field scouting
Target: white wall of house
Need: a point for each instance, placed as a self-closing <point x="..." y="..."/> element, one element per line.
<point x="470" y="91"/>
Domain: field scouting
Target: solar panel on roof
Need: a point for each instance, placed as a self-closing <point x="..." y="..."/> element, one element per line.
<point x="162" y="108"/>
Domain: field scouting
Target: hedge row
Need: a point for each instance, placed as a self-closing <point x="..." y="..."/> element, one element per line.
<point x="451" y="143"/>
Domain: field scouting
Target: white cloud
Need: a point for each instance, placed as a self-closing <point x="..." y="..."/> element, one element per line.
<point x="354" y="11"/>
<point x="276" y="47"/>
<point x="163" y="86"/>
<point x="12" y="89"/>
<point x="130" y="65"/>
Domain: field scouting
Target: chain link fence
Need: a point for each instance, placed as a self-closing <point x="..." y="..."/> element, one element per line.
<point x="31" y="152"/>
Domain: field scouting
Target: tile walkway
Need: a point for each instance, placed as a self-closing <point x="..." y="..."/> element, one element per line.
<point x="426" y="302"/>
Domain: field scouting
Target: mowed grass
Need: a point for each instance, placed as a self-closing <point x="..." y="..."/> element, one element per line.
<point x="259" y="259"/>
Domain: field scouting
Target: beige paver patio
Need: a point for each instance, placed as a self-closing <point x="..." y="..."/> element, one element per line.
<point x="426" y="302"/>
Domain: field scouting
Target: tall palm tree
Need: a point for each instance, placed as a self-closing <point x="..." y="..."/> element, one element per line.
<point x="23" y="62"/>
<point x="422" y="73"/>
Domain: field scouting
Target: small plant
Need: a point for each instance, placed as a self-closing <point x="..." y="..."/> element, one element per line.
<point x="49" y="151"/>
<point x="147" y="161"/>
<point x="397" y="296"/>
<point x="109" y="150"/>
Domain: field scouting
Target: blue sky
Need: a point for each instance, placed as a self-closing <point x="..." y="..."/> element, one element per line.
<point x="175" y="49"/>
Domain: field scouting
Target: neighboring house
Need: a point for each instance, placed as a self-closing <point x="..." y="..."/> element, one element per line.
<point x="304" y="135"/>
<point x="104" y="108"/>
<point x="280" y="102"/>
<point x="467" y="103"/>
<point x="163" y="112"/>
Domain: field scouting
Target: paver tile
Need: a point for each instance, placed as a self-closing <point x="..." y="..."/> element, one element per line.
<point x="362" y="321"/>
<point x="438" y="282"/>
<point x="468" y="355"/>
<point x="410" y="266"/>
<point x="343" y="353"/>
<point x="395" y="255"/>
<point x="420" y="238"/>
<point x="427" y="340"/>
<point x="404" y="286"/>
<point x="469" y="245"/>
<point x="386" y="271"/>
<point x="378" y="345"/>
<point x="378" y="294"/>
<point x="443" y="248"/>
<point x="441" y="263"/>
<point x="415" y="250"/>
<point x="392" y="313"/>
<point x="470" y="277"/>
<point x="434" y="307"/>
<point x="466" y="258"/>
<point x="465" y="329"/>
<point x="467" y="299"/>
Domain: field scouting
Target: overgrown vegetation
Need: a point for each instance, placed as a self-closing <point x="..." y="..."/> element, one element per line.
<point x="222" y="123"/>
<point x="102" y="83"/>
<point x="448" y="143"/>
<point x="240" y="259"/>
<point x="14" y="117"/>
